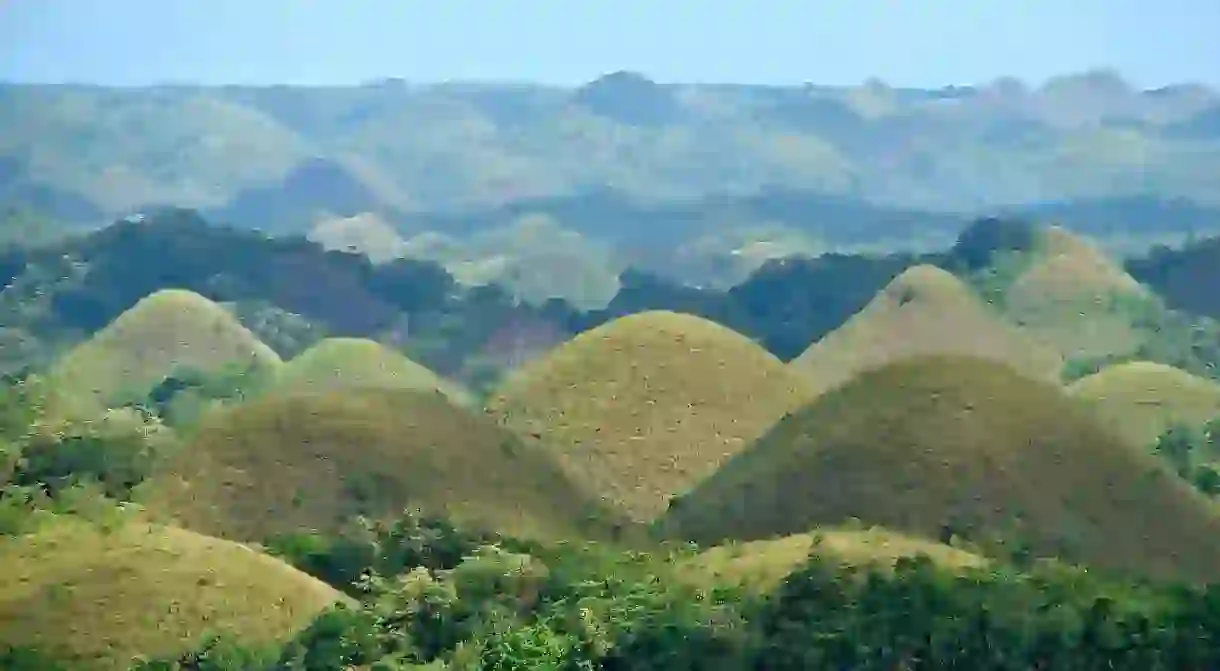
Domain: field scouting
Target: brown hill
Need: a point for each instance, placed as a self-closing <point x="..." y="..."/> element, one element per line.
<point x="1142" y="399"/>
<point x="963" y="445"/>
<point x="97" y="598"/>
<point x="288" y="463"/>
<point x="923" y="311"/>
<point x="643" y="407"/>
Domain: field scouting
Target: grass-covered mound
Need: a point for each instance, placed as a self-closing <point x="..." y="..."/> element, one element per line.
<point x="762" y="565"/>
<point x="98" y="596"/>
<point x="162" y="334"/>
<point x="347" y="363"/>
<point x="1141" y="399"/>
<point x="958" y="445"/>
<point x="1069" y="294"/>
<point x="287" y="464"/>
<point x="923" y="311"/>
<point x="643" y="407"/>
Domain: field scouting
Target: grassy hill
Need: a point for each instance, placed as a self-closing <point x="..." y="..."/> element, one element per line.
<point x="366" y="233"/>
<point x="1073" y="297"/>
<point x="761" y="565"/>
<point x="161" y="334"/>
<point x="285" y="464"/>
<point x="99" y="597"/>
<point x="643" y="407"/>
<point x="358" y="363"/>
<point x="923" y="311"/>
<point x="960" y="445"/>
<point x="1141" y="399"/>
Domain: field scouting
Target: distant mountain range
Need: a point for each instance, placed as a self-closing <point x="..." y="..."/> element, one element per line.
<point x="281" y="157"/>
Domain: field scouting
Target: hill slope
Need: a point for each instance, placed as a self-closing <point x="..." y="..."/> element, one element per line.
<point x="761" y="565"/>
<point x="1072" y="296"/>
<point x="923" y="311"/>
<point x="289" y="463"/>
<point x="358" y="363"/>
<point x="165" y="331"/>
<point x="643" y="407"/>
<point x="82" y="594"/>
<point x="1142" y="399"/>
<point x="965" y="445"/>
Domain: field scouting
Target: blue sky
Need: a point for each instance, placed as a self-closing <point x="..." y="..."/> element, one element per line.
<point x="904" y="42"/>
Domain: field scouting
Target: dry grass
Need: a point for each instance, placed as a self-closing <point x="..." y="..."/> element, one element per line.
<point x="761" y="565"/>
<point x="923" y="311"/>
<point x="1141" y="399"/>
<point x="642" y="408"/>
<point x="346" y="363"/>
<point x="968" y="443"/>
<point x="1064" y="297"/>
<point x="290" y="463"/>
<point x="164" y="331"/>
<point x="99" y="597"/>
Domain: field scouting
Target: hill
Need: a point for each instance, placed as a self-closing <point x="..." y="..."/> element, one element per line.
<point x="163" y="333"/>
<point x="1073" y="297"/>
<point x="942" y="445"/>
<point x="286" y="464"/>
<point x="1141" y="399"/>
<point x="96" y="597"/>
<point x="365" y="233"/>
<point x="643" y="407"/>
<point x="292" y="151"/>
<point x="923" y="311"/>
<point x="761" y="565"/>
<point x="358" y="363"/>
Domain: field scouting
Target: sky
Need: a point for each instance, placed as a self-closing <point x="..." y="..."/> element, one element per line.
<point x="902" y="42"/>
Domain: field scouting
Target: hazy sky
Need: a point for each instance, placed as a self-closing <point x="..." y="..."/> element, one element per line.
<point x="904" y="42"/>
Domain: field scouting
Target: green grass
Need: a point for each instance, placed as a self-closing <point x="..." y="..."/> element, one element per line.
<point x="358" y="363"/>
<point x="164" y="332"/>
<point x="965" y="444"/>
<point x="287" y="464"/>
<point x="642" y="408"/>
<point x="1141" y="400"/>
<point x="99" y="596"/>
<point x="760" y="566"/>
<point x="1065" y="297"/>
<point x="924" y="311"/>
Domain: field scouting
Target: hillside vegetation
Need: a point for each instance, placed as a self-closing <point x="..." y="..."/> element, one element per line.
<point x="358" y="363"/>
<point x="642" y="408"/>
<point x="957" y="445"/>
<point x="1072" y="296"/>
<point x="283" y="464"/>
<point x="923" y="311"/>
<point x="163" y="333"/>
<point x="98" y="596"/>
<point x="1141" y="400"/>
<point x="762" y="565"/>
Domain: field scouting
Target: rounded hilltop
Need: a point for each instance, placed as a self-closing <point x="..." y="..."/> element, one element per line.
<point x="1141" y="399"/>
<point x="283" y="464"/>
<point x="643" y="407"/>
<point x="83" y="594"/>
<point x="924" y="311"/>
<point x="1071" y="295"/>
<point x="161" y="334"/>
<point x="762" y="565"/>
<point x="959" y="445"/>
<point x="360" y="363"/>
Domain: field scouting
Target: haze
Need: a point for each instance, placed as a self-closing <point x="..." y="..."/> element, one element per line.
<point x="931" y="43"/>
